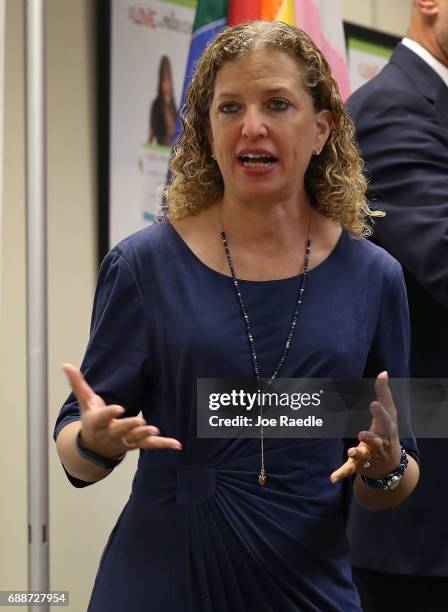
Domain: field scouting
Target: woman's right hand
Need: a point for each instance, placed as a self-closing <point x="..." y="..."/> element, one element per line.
<point x="102" y="431"/>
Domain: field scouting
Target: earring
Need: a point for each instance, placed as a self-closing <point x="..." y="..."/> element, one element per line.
<point x="317" y="152"/>
<point x="213" y="156"/>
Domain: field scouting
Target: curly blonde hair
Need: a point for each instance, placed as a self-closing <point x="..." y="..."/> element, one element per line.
<point x="334" y="181"/>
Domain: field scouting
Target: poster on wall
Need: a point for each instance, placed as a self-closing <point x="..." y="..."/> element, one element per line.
<point x="367" y="52"/>
<point x="149" y="46"/>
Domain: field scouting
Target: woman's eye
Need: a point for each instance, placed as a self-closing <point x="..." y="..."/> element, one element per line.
<point x="278" y="105"/>
<point x="228" y="107"/>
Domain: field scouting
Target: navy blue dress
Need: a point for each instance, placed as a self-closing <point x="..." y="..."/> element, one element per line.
<point x="198" y="533"/>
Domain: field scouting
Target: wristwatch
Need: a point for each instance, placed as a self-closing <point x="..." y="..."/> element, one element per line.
<point x="392" y="480"/>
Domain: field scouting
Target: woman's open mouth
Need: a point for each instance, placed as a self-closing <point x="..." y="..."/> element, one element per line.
<point x="257" y="160"/>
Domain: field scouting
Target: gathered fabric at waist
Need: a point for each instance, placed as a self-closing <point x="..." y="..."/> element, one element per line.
<point x="212" y="529"/>
<point x="294" y="472"/>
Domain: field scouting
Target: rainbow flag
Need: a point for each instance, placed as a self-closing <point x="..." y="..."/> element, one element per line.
<point x="269" y="10"/>
<point x="321" y="19"/>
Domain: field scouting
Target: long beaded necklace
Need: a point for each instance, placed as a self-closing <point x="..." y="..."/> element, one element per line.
<point x="262" y="475"/>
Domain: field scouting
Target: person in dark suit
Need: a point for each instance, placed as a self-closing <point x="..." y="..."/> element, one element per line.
<point x="400" y="557"/>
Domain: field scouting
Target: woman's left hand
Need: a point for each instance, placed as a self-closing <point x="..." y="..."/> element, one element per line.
<point x="378" y="452"/>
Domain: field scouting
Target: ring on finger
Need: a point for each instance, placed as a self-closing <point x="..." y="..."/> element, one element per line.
<point x="126" y="443"/>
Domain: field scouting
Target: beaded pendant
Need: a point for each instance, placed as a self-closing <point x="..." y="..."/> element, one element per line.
<point x="301" y="291"/>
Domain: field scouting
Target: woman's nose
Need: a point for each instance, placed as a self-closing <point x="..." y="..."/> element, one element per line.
<point x="254" y="125"/>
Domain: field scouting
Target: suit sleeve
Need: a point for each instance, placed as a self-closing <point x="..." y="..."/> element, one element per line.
<point x="115" y="360"/>
<point x="405" y="146"/>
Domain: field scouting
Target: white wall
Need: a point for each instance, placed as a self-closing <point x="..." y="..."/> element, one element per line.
<point x="385" y="15"/>
<point x="80" y="519"/>
<point x="13" y="520"/>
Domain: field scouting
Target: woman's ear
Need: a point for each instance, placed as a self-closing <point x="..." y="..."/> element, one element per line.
<point x="324" y="124"/>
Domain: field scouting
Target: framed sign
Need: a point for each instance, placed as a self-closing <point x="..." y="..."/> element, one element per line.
<point x="143" y="50"/>
<point x="367" y="52"/>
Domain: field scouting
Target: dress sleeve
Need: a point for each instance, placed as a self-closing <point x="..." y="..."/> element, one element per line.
<point x="390" y="350"/>
<point x="115" y="361"/>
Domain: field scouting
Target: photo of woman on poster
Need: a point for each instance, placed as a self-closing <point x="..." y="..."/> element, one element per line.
<point x="163" y="114"/>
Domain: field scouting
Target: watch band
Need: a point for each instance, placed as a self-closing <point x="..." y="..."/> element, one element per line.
<point x="392" y="480"/>
<point x="105" y="462"/>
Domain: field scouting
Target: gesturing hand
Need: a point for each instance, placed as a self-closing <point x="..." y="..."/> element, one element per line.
<point x="378" y="452"/>
<point x="101" y="429"/>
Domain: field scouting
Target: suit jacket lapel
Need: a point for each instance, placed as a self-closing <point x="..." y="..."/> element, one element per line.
<point x="424" y="78"/>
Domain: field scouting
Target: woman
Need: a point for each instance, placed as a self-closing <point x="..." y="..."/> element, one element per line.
<point x="267" y="194"/>
<point x="163" y="115"/>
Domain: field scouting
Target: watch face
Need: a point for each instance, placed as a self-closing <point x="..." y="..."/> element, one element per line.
<point x="394" y="482"/>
